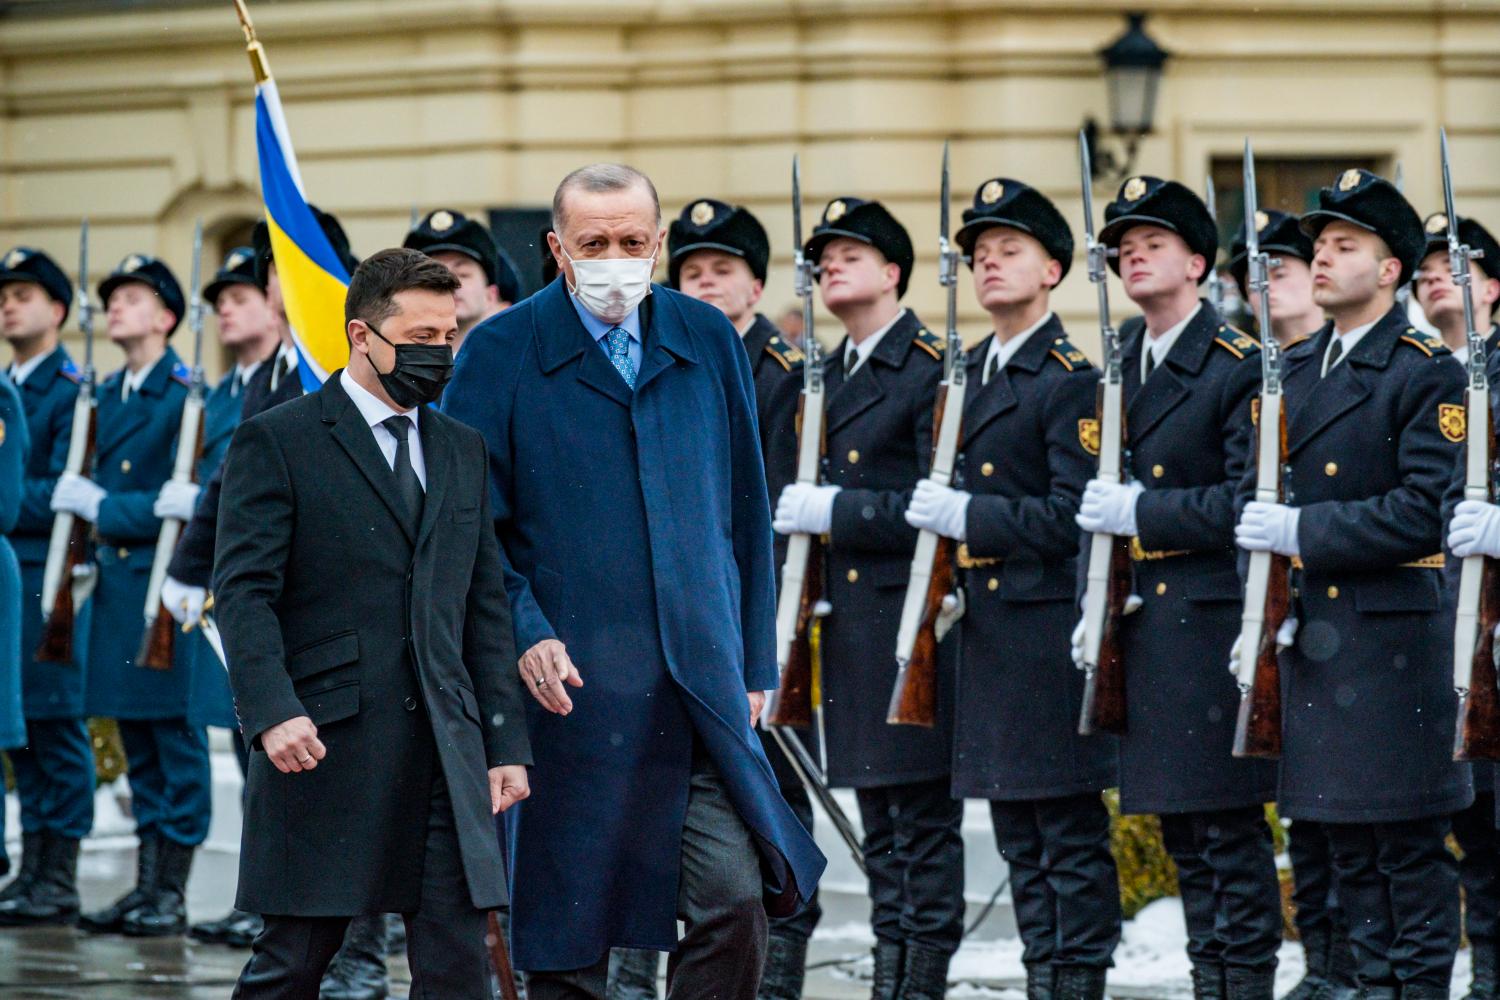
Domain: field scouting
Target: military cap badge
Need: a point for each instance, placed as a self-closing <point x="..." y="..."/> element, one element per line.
<point x="234" y="261"/>
<point x="15" y="258"/>
<point x="702" y="214"/>
<point x="133" y="263"/>
<point x="991" y="192"/>
<point x="1262" y="220"/>
<point x="1135" y="189"/>
<point x="1349" y="181"/>
<point x="441" y="221"/>
<point x="1437" y="223"/>
<point x="1452" y="421"/>
<point x="835" y="211"/>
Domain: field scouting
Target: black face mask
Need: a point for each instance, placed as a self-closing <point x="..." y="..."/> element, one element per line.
<point x="420" y="373"/>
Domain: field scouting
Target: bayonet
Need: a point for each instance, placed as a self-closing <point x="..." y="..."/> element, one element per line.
<point x="1215" y="280"/>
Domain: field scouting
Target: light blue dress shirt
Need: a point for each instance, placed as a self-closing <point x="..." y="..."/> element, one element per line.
<point x="599" y="330"/>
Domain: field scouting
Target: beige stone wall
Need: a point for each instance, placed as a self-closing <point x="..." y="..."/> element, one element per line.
<point x="143" y="121"/>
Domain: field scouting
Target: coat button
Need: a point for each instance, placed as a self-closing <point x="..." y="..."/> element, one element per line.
<point x="1333" y="593"/>
<point x="125" y="465"/>
<point x="411" y="704"/>
<point x="123" y="553"/>
<point x="852" y="576"/>
<point x="853" y="456"/>
<point x="1161" y="588"/>
<point x="1331" y="469"/>
<point x="994" y="584"/>
<point x="988" y="468"/>
<point x="1157" y="471"/>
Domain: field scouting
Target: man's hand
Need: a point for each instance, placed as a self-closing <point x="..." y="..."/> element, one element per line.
<point x="182" y="601"/>
<point x="804" y="509"/>
<point x="1109" y="508"/>
<point x="939" y="508"/>
<point x="1475" y="529"/>
<point x="175" y="501"/>
<point x="76" y="495"/>
<point x="293" y="745"/>
<point x="757" y="704"/>
<point x="544" y="668"/>
<point x="508" y="785"/>
<point x="1268" y="527"/>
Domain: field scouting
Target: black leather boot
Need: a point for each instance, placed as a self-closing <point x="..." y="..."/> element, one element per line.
<point x="1079" y="982"/>
<point x="31" y="863"/>
<point x="1249" y="982"/>
<point x="1208" y="981"/>
<point x="358" y="971"/>
<point x="52" y="897"/>
<point x="889" y="959"/>
<point x="164" y="914"/>
<point x="1421" y="991"/>
<point x="1041" y="981"/>
<point x="395" y="935"/>
<point x="924" y="974"/>
<point x="786" y="966"/>
<point x="1485" y="982"/>
<point x="111" y="919"/>
<point x="237" y="929"/>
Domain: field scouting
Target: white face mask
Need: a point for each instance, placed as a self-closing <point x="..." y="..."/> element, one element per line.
<point x="610" y="289"/>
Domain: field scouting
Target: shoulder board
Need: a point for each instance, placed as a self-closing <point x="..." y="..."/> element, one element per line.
<point x="786" y="355"/>
<point x="182" y="373"/>
<point x="1067" y="355"/>
<point x="1236" y="342"/>
<point x="70" y="371"/>
<point x="1428" y="345"/>
<point x="930" y="342"/>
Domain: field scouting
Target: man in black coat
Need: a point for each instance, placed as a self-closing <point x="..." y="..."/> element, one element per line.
<point x="1189" y="380"/>
<point x="1029" y="435"/>
<point x="1374" y="419"/>
<point x="718" y="253"/>
<point x="881" y="384"/>
<point x="361" y="597"/>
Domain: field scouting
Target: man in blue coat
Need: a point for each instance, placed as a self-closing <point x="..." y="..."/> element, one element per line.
<point x="631" y="505"/>
<point x="55" y="771"/>
<point x="14" y="443"/>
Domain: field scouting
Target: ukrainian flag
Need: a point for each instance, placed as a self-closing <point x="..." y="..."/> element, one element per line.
<point x="313" y="279"/>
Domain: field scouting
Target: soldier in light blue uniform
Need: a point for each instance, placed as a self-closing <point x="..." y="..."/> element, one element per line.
<point x="55" y="770"/>
<point x="140" y="408"/>
<point x="14" y="443"/>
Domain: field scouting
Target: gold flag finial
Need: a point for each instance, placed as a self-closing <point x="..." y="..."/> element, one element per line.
<point x="253" y="47"/>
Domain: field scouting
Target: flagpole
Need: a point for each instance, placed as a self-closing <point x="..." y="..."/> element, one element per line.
<point x="253" y="48"/>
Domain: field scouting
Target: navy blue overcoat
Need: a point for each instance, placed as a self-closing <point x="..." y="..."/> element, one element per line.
<point x="14" y="443"/>
<point x="636" y="529"/>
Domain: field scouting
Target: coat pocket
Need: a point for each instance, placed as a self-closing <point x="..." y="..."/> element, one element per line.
<point x="1408" y="589"/>
<point x="332" y="704"/>
<point x="1223" y="585"/>
<point x="466" y="515"/>
<point x="323" y="655"/>
<point x="470" y="703"/>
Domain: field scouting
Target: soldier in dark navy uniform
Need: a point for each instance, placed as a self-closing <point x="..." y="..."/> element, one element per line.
<point x="1374" y="420"/>
<point x="488" y="283"/>
<point x="55" y="770"/>
<point x="881" y="383"/>
<point x="140" y="409"/>
<point x="1321" y="925"/>
<point x="1189" y="379"/>
<point x="718" y="253"/>
<point x="1029" y="437"/>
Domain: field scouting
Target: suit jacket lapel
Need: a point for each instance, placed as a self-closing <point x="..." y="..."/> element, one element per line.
<point x="849" y="398"/>
<point x="986" y="402"/>
<point x="1167" y="388"/>
<point x="664" y="338"/>
<point x="1347" y="384"/>
<point x="132" y="413"/>
<point x="437" y="455"/>
<point x="358" y="439"/>
<point x="560" y="337"/>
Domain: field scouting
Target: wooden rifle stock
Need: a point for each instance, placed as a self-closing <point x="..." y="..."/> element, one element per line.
<point x="1103" y="708"/>
<point x="500" y="958"/>
<point x="160" y="637"/>
<point x="794" y="698"/>
<point x="1257" y="729"/>
<point x="1478" y="734"/>
<point x="56" y="645"/>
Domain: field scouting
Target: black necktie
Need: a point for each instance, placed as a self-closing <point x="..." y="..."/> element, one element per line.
<point x="1334" y="353"/>
<point x="992" y="369"/>
<point x="283" y="365"/>
<point x="408" y="486"/>
<point x="851" y="359"/>
<point x="1150" y="362"/>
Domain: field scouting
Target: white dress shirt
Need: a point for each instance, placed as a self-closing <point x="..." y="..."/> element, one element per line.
<point x="1004" y="352"/>
<point x="1348" y="339"/>
<point x="289" y="352"/>
<point x="1158" y="346"/>
<point x="374" y="411"/>
<point x="18" y="373"/>
<point x="131" y="383"/>
<point x="866" y="347"/>
<point x="242" y="375"/>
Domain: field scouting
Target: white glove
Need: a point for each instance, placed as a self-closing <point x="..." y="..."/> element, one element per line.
<point x="1268" y="527"/>
<point x="939" y="508"/>
<point x="804" y="509"/>
<point x="1285" y="637"/>
<point x="183" y="602"/>
<point x="1109" y="508"/>
<point x="176" y="501"/>
<point x="1475" y="529"/>
<point x="1132" y="605"/>
<point x="77" y="495"/>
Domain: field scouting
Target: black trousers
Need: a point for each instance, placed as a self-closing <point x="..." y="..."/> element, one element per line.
<point x="1063" y="881"/>
<point x="1226" y="869"/>
<point x="723" y="947"/>
<point x="914" y="857"/>
<point x="1315" y="891"/>
<point x="1398" y="884"/>
<point x="445" y="937"/>
<point x="1479" y="870"/>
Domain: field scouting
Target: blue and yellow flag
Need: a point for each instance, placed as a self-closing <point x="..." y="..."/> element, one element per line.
<point x="313" y="279"/>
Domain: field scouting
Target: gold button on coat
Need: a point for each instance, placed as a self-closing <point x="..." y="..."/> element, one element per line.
<point x="1331" y="469"/>
<point x="994" y="584"/>
<point x="853" y="456"/>
<point x="988" y="468"/>
<point x="853" y="576"/>
<point x="125" y="465"/>
<point x="123" y="553"/>
<point x="1161" y="588"/>
<point x="1333" y="592"/>
<point x="1157" y="471"/>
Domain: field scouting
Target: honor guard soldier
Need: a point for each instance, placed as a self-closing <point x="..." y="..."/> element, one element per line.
<point x="488" y="281"/>
<point x="1188" y="381"/>
<point x="1439" y="297"/>
<point x="718" y="254"/>
<point x="140" y="408"/>
<point x="881" y="386"/>
<point x="1029" y="435"/>
<point x="1321" y="925"/>
<point x="1374" y="419"/>
<point x="14" y="443"/>
<point x="55" y="770"/>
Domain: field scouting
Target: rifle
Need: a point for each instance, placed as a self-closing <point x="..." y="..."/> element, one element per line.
<point x="69" y="576"/>
<point x="500" y="958"/>
<point x="1109" y="568"/>
<point x="1477" y="735"/>
<point x="798" y="701"/>
<point x="914" y="698"/>
<point x="796" y="755"/>
<point x="158" y="640"/>
<point x="1268" y="594"/>
<point x="1215" y="280"/>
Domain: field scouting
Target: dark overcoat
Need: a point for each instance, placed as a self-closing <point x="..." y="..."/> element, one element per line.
<point x="14" y="443"/>
<point x="1025" y="459"/>
<point x="395" y="642"/>
<point x="1188" y="432"/>
<point x="1367" y="689"/>
<point x="637" y="531"/>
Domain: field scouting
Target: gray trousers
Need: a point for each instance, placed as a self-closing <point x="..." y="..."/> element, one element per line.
<point x="723" y="946"/>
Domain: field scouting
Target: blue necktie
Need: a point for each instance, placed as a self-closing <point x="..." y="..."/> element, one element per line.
<point x="619" y="354"/>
